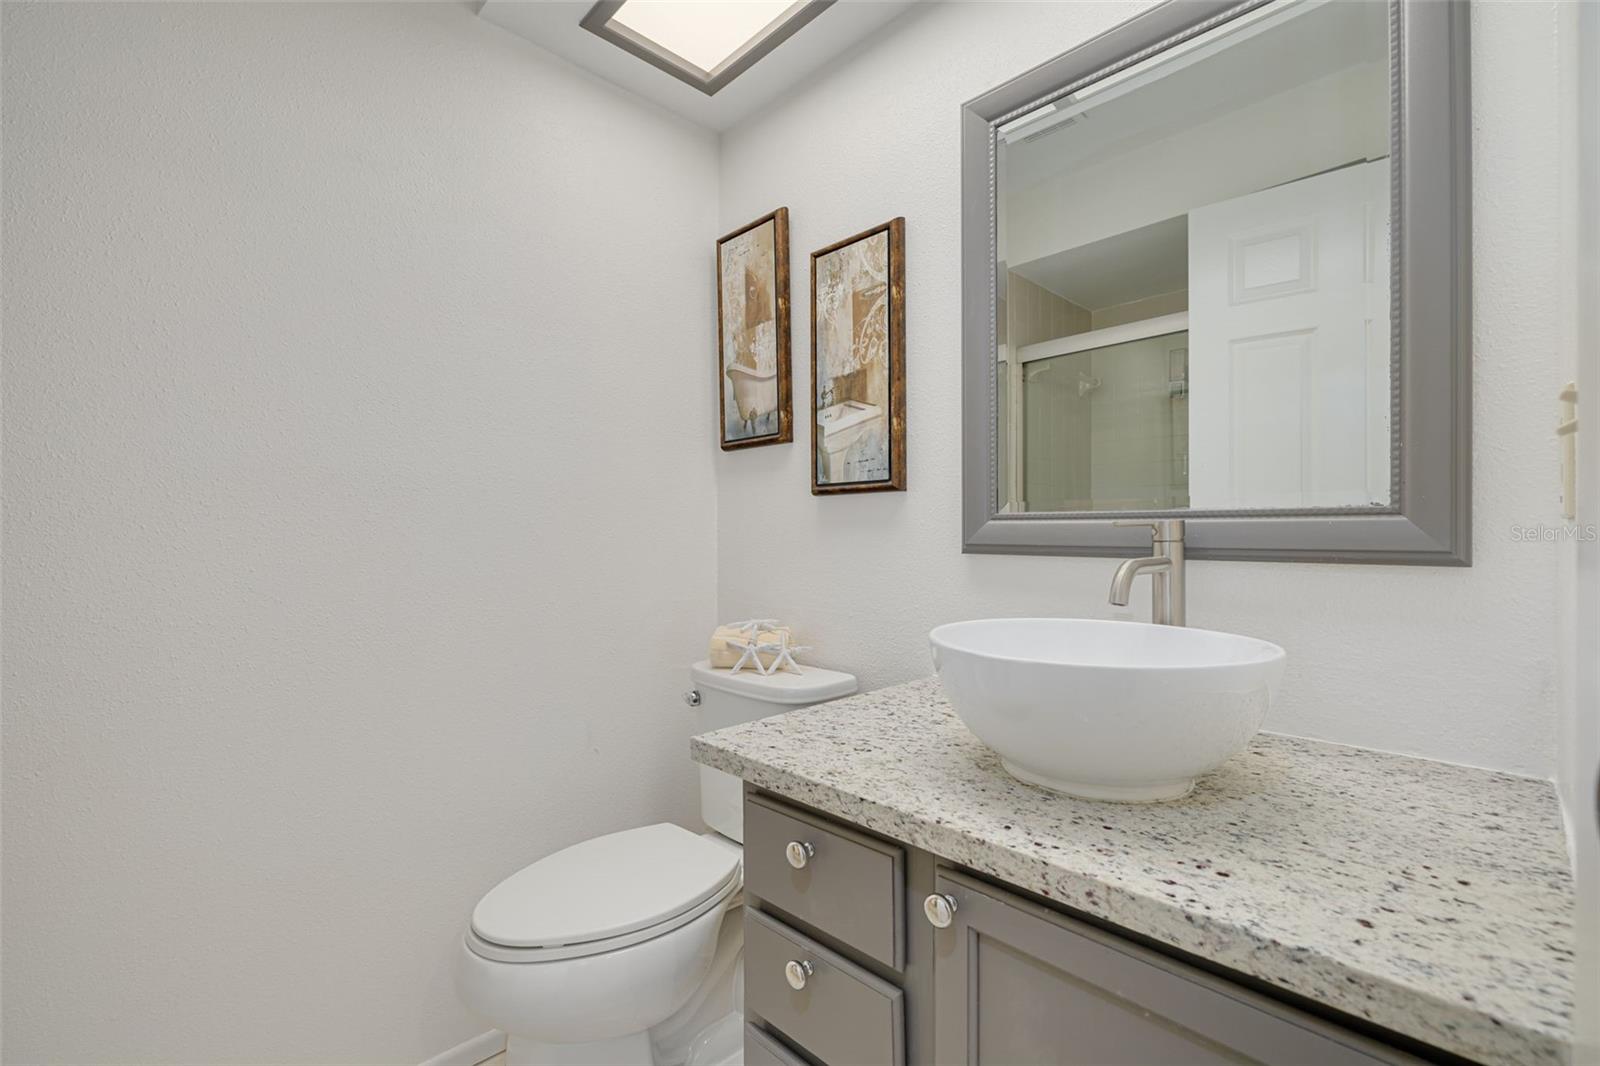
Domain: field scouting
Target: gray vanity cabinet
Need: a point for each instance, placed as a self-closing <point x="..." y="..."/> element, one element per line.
<point x="1015" y="982"/>
<point x="844" y="966"/>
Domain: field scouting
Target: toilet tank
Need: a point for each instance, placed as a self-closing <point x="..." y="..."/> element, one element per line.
<point x="729" y="699"/>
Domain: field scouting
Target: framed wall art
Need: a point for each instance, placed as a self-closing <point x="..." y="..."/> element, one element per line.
<point x="753" y="334"/>
<point x="858" y="357"/>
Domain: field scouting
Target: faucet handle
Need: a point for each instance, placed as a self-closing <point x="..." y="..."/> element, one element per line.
<point x="1155" y="530"/>
<point x="1161" y="529"/>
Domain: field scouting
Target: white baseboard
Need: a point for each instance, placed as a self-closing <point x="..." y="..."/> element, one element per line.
<point x="471" y="1052"/>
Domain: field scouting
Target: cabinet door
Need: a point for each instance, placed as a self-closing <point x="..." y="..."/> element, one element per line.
<point x="1017" y="983"/>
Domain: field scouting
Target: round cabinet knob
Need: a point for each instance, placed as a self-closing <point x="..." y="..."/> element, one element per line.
<point x="940" y="909"/>
<point x="795" y="972"/>
<point x="799" y="852"/>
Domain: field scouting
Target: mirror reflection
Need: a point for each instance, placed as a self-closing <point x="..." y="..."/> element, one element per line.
<point x="1193" y="276"/>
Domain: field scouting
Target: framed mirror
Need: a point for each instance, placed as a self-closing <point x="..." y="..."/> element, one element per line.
<point x="1216" y="266"/>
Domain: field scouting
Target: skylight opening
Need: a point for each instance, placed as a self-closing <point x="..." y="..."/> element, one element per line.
<point x="706" y="43"/>
<point x="703" y="32"/>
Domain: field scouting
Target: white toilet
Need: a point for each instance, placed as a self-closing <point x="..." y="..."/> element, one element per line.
<point x="624" y="950"/>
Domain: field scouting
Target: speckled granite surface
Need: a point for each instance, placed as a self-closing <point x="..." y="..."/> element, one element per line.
<point x="1433" y="899"/>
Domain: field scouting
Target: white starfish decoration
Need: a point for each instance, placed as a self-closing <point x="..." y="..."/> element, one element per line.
<point x="784" y="659"/>
<point x="752" y="626"/>
<point x="747" y="656"/>
<point x="781" y="652"/>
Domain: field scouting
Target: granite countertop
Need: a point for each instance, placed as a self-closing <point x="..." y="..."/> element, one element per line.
<point x="1431" y="898"/>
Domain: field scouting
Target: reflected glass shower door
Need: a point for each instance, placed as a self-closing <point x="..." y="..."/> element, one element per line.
<point x="1107" y="428"/>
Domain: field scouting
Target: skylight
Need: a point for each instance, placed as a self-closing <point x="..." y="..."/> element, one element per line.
<point x="705" y="32"/>
<point x="706" y="43"/>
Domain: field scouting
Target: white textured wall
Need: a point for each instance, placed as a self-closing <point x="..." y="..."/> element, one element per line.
<point x="1452" y="663"/>
<point x="356" y="380"/>
<point x="1578" y="772"/>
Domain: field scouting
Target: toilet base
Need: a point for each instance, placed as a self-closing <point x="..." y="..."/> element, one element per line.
<point x="630" y="1050"/>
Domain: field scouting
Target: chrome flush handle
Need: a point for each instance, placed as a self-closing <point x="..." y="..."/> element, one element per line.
<point x="799" y="852"/>
<point x="940" y="909"/>
<point x="795" y="971"/>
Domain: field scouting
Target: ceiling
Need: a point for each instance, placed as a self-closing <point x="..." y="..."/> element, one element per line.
<point x="1144" y="262"/>
<point x="553" y="25"/>
<point x="1320" y="39"/>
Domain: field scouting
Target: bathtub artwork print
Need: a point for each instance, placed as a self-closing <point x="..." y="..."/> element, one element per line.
<point x="858" y="425"/>
<point x="753" y="333"/>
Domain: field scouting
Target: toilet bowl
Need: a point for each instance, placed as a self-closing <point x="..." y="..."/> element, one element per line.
<point x="625" y="949"/>
<point x="582" y="954"/>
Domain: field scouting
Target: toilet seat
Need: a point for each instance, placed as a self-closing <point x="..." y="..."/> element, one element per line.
<point x="603" y="894"/>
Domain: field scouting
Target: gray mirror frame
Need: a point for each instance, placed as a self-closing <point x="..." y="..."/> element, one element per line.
<point x="1432" y="246"/>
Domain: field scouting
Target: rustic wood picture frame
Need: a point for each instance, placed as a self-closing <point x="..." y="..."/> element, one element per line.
<point x="895" y="356"/>
<point x="746" y="380"/>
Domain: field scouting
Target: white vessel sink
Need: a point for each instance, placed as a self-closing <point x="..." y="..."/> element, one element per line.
<point x="1106" y="710"/>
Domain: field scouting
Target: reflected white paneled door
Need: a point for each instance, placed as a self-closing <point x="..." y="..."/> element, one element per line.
<point x="1289" y="368"/>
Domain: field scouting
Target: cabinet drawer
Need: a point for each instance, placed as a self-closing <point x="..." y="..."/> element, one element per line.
<point x="852" y="886"/>
<point x="760" y="1049"/>
<point x="844" y="1015"/>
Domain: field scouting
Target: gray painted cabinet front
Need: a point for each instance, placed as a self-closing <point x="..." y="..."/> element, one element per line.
<point x="762" y="1050"/>
<point x="851" y="887"/>
<point x="1015" y="982"/>
<point x="1010" y="982"/>
<point x="842" y="1014"/>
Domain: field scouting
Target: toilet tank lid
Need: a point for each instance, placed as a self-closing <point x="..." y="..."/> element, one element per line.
<point x="812" y="684"/>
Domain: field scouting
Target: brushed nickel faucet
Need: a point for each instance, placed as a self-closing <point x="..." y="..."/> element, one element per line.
<point x="1166" y="573"/>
